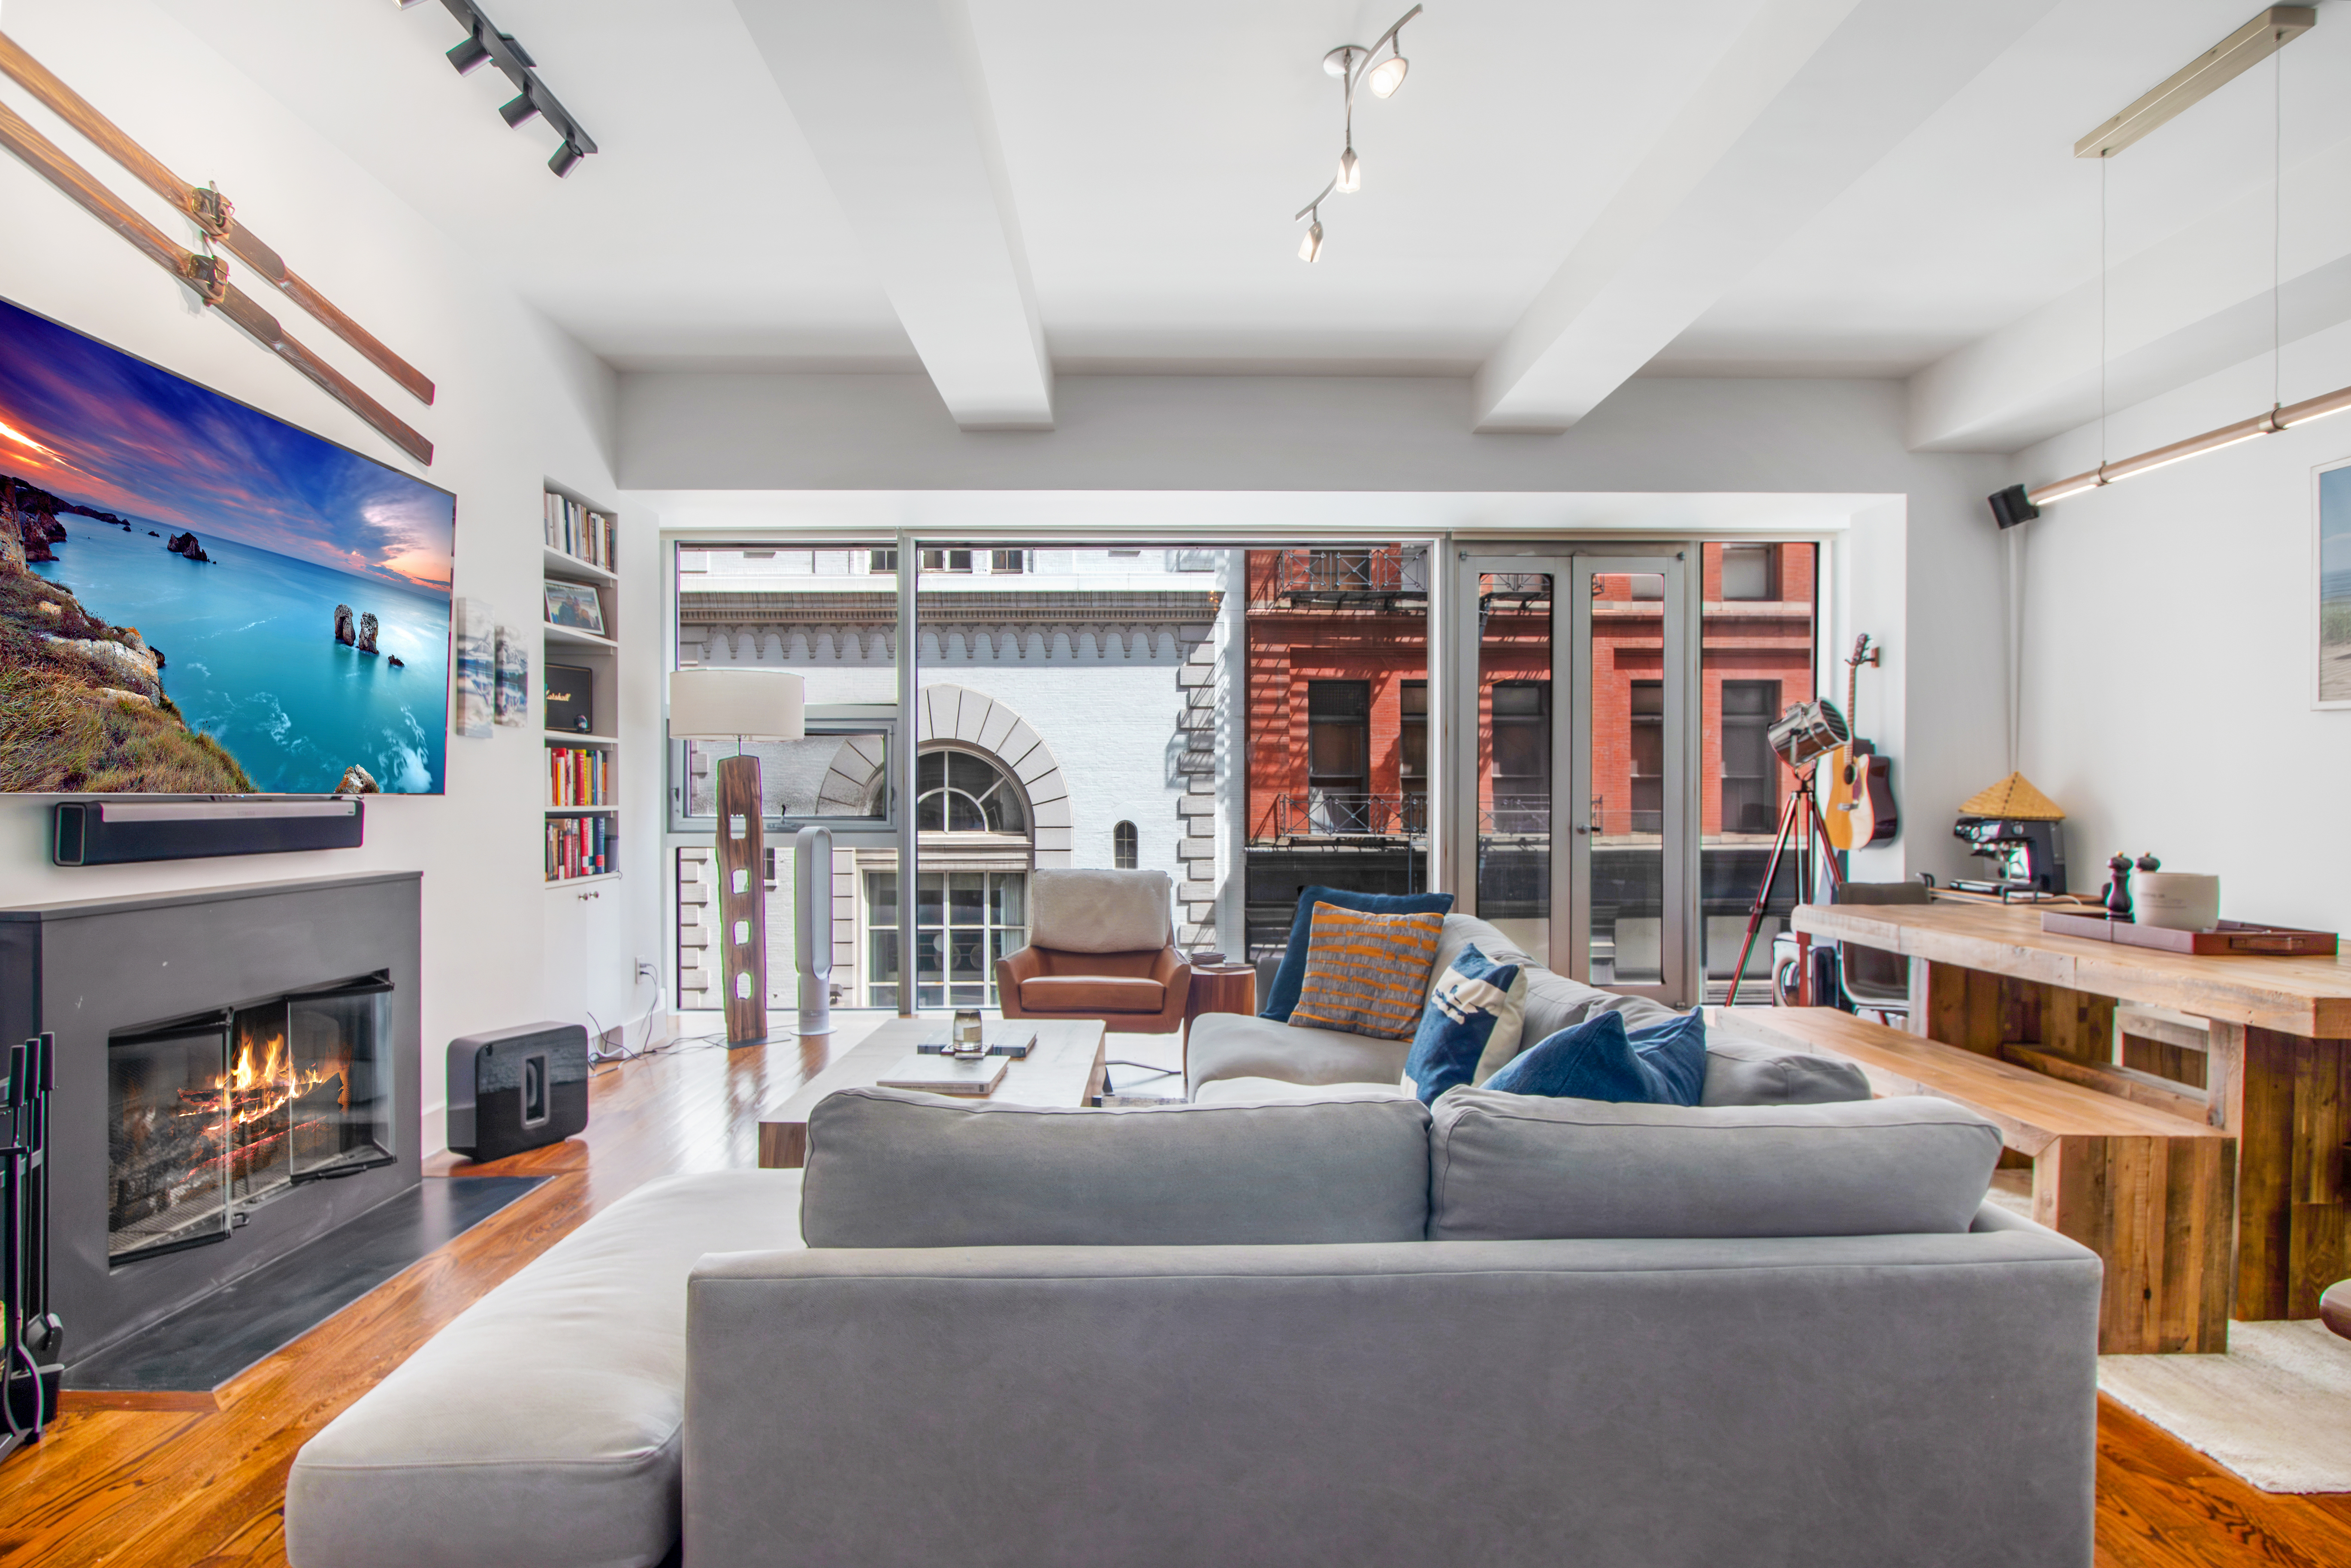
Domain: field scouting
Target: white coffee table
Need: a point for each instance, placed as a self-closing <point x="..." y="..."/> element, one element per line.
<point x="1064" y="1068"/>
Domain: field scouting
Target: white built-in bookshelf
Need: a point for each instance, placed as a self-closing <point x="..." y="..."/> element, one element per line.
<point x="581" y="780"/>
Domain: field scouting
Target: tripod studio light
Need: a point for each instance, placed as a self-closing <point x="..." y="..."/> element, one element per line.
<point x="1808" y="730"/>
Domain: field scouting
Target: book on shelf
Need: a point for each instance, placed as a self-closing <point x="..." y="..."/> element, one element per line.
<point x="579" y="775"/>
<point x="577" y="530"/>
<point x="946" y="1075"/>
<point x="579" y="847"/>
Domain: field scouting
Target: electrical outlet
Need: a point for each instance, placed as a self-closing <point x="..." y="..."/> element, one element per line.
<point x="645" y="969"/>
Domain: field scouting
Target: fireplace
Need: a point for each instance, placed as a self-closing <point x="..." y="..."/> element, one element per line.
<point x="211" y="1116"/>
<point x="236" y="1077"/>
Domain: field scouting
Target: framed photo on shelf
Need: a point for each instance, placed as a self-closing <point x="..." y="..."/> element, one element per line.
<point x="575" y="605"/>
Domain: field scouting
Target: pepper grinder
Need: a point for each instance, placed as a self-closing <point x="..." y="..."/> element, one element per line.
<point x="2117" y="892"/>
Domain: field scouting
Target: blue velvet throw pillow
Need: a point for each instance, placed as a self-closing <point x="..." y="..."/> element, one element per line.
<point x="1659" y="1064"/>
<point x="1282" y="997"/>
<point x="1466" y="1003"/>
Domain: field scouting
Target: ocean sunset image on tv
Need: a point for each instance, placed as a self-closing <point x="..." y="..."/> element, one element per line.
<point x="197" y="598"/>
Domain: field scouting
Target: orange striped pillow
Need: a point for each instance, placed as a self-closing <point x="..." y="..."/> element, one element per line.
<point x="1367" y="975"/>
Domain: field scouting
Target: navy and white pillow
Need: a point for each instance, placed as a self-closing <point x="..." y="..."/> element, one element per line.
<point x="1476" y="1009"/>
<point x="1600" y="1059"/>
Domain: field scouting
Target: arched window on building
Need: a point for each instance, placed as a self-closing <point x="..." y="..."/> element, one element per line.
<point x="1122" y="846"/>
<point x="975" y="826"/>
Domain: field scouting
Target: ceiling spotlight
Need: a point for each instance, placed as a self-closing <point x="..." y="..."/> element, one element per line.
<point x="1388" y="74"/>
<point x="1310" y="248"/>
<point x="469" y="54"/>
<point x="517" y="110"/>
<point x="1350" y="174"/>
<point x="567" y="158"/>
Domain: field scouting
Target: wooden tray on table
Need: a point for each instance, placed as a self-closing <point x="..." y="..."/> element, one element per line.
<point x="2230" y="938"/>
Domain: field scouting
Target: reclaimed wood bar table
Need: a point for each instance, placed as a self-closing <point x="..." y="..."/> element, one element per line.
<point x="2278" y="1075"/>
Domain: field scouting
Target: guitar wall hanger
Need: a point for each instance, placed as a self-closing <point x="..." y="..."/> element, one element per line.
<point x="214" y="217"/>
<point x="1856" y="782"/>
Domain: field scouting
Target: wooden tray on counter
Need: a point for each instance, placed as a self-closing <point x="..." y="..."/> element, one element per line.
<point x="2230" y="938"/>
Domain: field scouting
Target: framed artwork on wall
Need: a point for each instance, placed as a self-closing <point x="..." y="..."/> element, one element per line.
<point x="475" y="669"/>
<point x="2331" y="584"/>
<point x="513" y="677"/>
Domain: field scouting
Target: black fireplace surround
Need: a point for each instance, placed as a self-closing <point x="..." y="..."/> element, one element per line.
<point x="237" y="1075"/>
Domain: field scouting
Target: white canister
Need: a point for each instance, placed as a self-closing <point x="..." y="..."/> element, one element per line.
<point x="2175" y="900"/>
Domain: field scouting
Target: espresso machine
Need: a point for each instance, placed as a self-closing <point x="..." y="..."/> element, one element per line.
<point x="2030" y="855"/>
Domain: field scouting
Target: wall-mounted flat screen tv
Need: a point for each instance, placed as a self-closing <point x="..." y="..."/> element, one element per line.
<point x="196" y="599"/>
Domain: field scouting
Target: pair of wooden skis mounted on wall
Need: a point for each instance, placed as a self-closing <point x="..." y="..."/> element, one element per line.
<point x="208" y="274"/>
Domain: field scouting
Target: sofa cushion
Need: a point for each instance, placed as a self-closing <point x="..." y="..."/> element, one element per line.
<point x="1750" y="1073"/>
<point x="539" y="1429"/>
<point x="1367" y="975"/>
<point x="1475" y="1008"/>
<point x="887" y="1168"/>
<point x="1511" y="1167"/>
<point x="1268" y="1091"/>
<point x="1091" y="993"/>
<point x="1461" y="930"/>
<point x="1235" y="1046"/>
<point x="1282" y="995"/>
<point x="1095" y="911"/>
<point x="1599" y="1059"/>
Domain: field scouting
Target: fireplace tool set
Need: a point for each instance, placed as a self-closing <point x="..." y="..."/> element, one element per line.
<point x="32" y="1359"/>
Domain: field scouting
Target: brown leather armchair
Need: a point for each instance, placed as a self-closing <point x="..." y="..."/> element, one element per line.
<point x="1087" y="957"/>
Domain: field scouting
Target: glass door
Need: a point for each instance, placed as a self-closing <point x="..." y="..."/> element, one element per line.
<point x="1573" y="829"/>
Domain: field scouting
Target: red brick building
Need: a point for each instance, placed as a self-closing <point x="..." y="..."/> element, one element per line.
<point x="1337" y="753"/>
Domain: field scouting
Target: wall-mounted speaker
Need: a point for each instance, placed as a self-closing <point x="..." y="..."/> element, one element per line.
<point x="516" y="1089"/>
<point x="113" y="832"/>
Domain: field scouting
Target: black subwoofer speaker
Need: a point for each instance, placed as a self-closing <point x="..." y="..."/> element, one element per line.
<point x="516" y="1089"/>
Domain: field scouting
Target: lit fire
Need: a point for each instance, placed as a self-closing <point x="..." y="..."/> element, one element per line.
<point x="250" y="1093"/>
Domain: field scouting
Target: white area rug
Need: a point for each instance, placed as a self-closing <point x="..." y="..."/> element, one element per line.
<point x="2276" y="1409"/>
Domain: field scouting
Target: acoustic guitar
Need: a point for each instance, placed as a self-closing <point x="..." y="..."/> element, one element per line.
<point x="1857" y="785"/>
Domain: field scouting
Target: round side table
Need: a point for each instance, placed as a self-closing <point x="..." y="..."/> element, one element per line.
<point x="1225" y="988"/>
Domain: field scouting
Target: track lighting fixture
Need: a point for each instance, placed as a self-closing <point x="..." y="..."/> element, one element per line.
<point x="484" y="43"/>
<point x="1351" y="64"/>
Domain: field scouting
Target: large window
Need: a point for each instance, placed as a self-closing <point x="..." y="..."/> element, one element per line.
<point x="1521" y="772"/>
<point x="1339" y="754"/>
<point x="1750" y="778"/>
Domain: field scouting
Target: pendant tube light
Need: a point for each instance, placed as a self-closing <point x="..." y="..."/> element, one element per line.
<point x="2270" y="423"/>
<point x="2258" y="39"/>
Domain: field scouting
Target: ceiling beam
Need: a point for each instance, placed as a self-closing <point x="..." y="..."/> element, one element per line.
<point x="1812" y="94"/>
<point x="890" y="96"/>
<point x="2191" y="303"/>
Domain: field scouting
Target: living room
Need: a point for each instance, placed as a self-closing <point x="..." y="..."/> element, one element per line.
<point x="1102" y="507"/>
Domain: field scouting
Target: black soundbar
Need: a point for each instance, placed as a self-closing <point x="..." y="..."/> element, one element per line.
<point x="112" y="833"/>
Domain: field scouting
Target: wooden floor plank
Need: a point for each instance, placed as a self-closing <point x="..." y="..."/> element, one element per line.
<point x="199" y="1489"/>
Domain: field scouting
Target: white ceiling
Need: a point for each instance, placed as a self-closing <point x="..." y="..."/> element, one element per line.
<point x="1124" y="176"/>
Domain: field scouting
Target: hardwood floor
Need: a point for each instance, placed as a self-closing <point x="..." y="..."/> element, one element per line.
<point x="203" y="1487"/>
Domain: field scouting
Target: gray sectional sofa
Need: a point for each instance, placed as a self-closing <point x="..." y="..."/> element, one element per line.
<point x="1231" y="1057"/>
<point x="1336" y="1330"/>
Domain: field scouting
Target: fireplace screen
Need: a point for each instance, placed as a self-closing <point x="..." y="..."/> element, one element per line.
<point x="214" y="1116"/>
